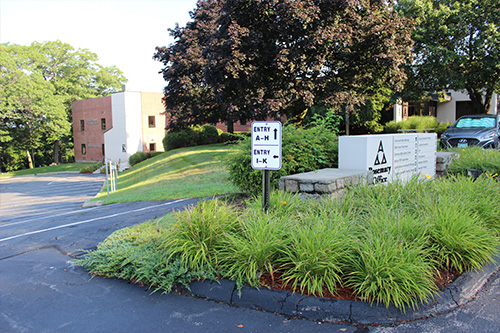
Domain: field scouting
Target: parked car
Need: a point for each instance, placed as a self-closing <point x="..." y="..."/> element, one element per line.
<point x="474" y="130"/>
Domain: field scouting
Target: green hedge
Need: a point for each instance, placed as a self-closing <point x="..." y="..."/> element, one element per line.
<point x="138" y="157"/>
<point x="191" y="136"/>
<point x="414" y="122"/>
<point x="91" y="168"/>
<point x="302" y="150"/>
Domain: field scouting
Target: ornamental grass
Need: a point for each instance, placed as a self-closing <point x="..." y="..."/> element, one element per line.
<point x="384" y="242"/>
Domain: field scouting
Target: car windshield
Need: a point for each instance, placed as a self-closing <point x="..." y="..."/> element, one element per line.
<point x="487" y="122"/>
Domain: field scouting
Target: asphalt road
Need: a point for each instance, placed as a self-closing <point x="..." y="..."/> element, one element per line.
<point x="42" y="223"/>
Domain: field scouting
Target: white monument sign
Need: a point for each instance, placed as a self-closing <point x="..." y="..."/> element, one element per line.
<point x="266" y="145"/>
<point x="390" y="156"/>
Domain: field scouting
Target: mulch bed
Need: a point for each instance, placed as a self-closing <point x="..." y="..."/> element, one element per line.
<point x="442" y="280"/>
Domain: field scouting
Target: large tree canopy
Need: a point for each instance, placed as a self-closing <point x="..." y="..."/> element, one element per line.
<point x="38" y="83"/>
<point x="457" y="47"/>
<point x="249" y="60"/>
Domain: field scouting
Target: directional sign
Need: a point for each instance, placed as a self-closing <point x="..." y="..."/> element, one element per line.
<point x="266" y="145"/>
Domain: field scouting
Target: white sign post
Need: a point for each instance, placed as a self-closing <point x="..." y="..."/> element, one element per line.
<point x="266" y="152"/>
<point x="266" y="145"/>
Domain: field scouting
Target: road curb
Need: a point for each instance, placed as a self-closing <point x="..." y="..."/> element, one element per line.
<point x="88" y="204"/>
<point x="461" y="291"/>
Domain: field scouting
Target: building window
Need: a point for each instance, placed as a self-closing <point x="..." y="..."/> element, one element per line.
<point x="243" y="123"/>
<point x="82" y="125"/>
<point x="152" y="147"/>
<point x="103" y="151"/>
<point x="84" y="149"/>
<point x="151" y="121"/>
<point x="124" y="148"/>
<point x="103" y="123"/>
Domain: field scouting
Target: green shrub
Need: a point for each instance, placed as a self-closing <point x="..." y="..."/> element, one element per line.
<point x="302" y="150"/>
<point x="91" y="168"/>
<point x="231" y="137"/>
<point x="413" y="122"/>
<point x="134" y="253"/>
<point x="206" y="134"/>
<point x="392" y="126"/>
<point x="416" y="122"/>
<point x="441" y="127"/>
<point x="138" y="157"/>
<point x="179" y="139"/>
<point x="155" y="153"/>
<point x="191" y="136"/>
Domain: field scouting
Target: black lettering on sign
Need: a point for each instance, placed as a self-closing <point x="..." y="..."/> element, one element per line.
<point x="262" y="129"/>
<point x="382" y="159"/>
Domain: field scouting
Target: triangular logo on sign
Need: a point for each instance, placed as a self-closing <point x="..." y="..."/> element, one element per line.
<point x="380" y="150"/>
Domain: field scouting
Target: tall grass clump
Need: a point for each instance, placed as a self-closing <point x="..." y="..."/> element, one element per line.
<point x="317" y="256"/>
<point x="283" y="204"/>
<point x="385" y="242"/>
<point x="200" y="233"/>
<point x="390" y="271"/>
<point x="390" y="264"/>
<point x="480" y="196"/>
<point x="254" y="252"/>
<point x="459" y="239"/>
<point x="486" y="160"/>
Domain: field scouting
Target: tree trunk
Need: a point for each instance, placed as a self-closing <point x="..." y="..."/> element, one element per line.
<point x="30" y="161"/>
<point x="230" y="126"/>
<point x="478" y="105"/>
<point x="56" y="151"/>
<point x="347" y="125"/>
<point x="487" y="100"/>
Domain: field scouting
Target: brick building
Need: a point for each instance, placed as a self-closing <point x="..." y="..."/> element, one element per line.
<point x="117" y="126"/>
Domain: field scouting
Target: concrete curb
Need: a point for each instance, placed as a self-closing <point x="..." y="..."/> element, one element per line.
<point x="461" y="291"/>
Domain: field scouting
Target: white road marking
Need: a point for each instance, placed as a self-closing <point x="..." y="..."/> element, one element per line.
<point x="47" y="217"/>
<point x="58" y="180"/>
<point x="87" y="221"/>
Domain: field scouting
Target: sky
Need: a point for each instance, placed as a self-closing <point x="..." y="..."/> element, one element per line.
<point x="123" y="33"/>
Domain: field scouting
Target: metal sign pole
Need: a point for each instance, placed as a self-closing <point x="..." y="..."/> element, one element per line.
<point x="265" y="190"/>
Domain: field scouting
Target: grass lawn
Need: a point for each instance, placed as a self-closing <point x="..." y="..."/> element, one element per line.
<point x="192" y="172"/>
<point x="46" y="169"/>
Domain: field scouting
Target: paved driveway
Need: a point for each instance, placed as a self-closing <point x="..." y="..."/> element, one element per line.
<point x="41" y="223"/>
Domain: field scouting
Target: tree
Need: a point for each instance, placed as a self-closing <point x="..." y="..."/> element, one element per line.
<point x="457" y="47"/>
<point x="259" y="59"/>
<point x="38" y="83"/>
